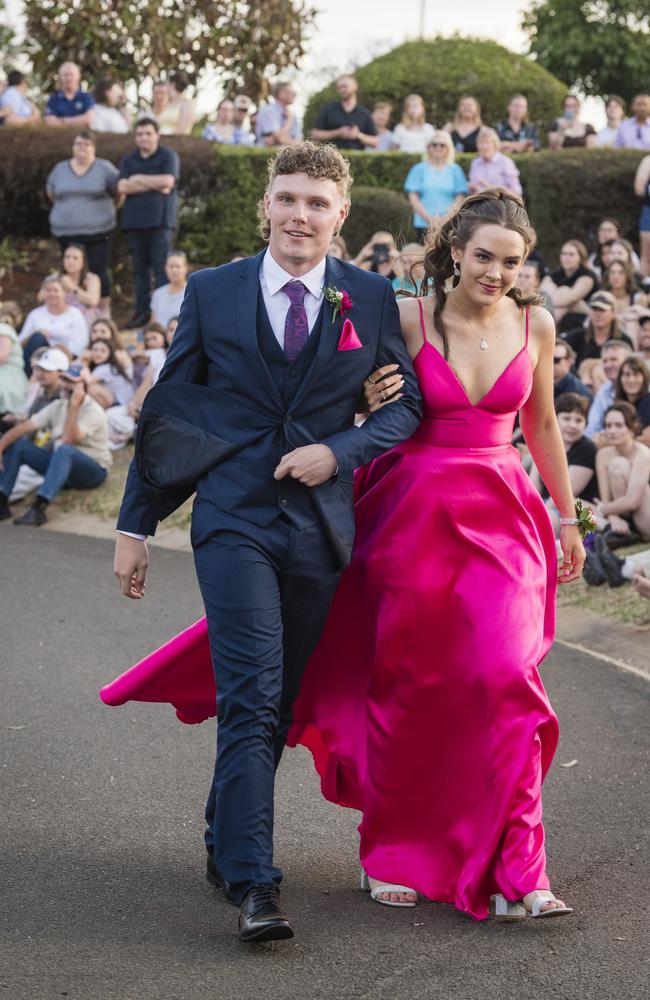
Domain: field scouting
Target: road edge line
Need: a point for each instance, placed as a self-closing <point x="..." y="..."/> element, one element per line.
<point x="605" y="658"/>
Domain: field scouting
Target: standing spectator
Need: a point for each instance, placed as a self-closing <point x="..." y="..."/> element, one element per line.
<point x="436" y="185"/>
<point x="160" y="94"/>
<point x="413" y="134"/>
<point x="13" y="381"/>
<point x="82" y="287"/>
<point x="615" y="112"/>
<point x="564" y="380"/>
<point x="492" y="168"/>
<point x="110" y="113"/>
<point x="345" y="122"/>
<point x="613" y="354"/>
<point x="530" y="279"/>
<point x="381" y="113"/>
<point x="632" y="386"/>
<point x="70" y="106"/>
<point x="642" y="190"/>
<point x="635" y="132"/>
<point x="643" y="344"/>
<point x="587" y="340"/>
<point x="224" y="129"/>
<point x="516" y="133"/>
<point x="338" y="248"/>
<point x="166" y="300"/>
<point x="568" y="131"/>
<point x="276" y="124"/>
<point x="54" y="324"/>
<point x="176" y="116"/>
<point x="148" y="178"/>
<point x="16" y="109"/>
<point x="242" y="113"/>
<point x="623" y="469"/>
<point x="465" y="126"/>
<point x="570" y="285"/>
<point x="83" y="190"/>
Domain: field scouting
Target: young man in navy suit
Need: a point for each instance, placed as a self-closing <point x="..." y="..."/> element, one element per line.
<point x="263" y="375"/>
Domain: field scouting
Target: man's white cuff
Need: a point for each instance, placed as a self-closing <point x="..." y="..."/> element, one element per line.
<point x="131" y="534"/>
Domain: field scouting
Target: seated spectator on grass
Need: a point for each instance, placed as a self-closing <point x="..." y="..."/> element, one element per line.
<point x="491" y="168"/>
<point x="414" y="133"/>
<point x="436" y="185"/>
<point x="177" y="117"/>
<point x="588" y="338"/>
<point x="592" y="374"/>
<point x="635" y="132"/>
<point x="82" y="288"/>
<point x="613" y="354"/>
<point x="78" y="458"/>
<point x="516" y="133"/>
<point x="530" y="279"/>
<point x="224" y="129"/>
<point x="106" y="329"/>
<point x="571" y="410"/>
<point x="564" y="379"/>
<point x="570" y="285"/>
<point x="170" y="330"/>
<point x="107" y="380"/>
<point x="568" y="131"/>
<point x="615" y="113"/>
<point x="381" y="113"/>
<point x="110" y="112"/>
<point x="54" y="324"/>
<point x="609" y="229"/>
<point x="13" y="381"/>
<point x="345" y="122"/>
<point x="166" y="301"/>
<point x="83" y="192"/>
<point x="643" y="343"/>
<point x="276" y="124"/>
<point x="623" y="470"/>
<point x="409" y="269"/>
<point x="619" y="249"/>
<point x="16" y="109"/>
<point x="70" y="106"/>
<point x="338" y="248"/>
<point x="11" y="313"/>
<point x="620" y="280"/>
<point x="632" y="386"/>
<point x="464" y="127"/>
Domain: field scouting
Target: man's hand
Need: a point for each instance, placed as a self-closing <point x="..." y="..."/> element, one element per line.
<point x="312" y="465"/>
<point x="130" y="566"/>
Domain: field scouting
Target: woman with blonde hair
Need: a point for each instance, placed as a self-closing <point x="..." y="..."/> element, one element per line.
<point x="436" y="185"/>
<point x="464" y="127"/>
<point x="492" y="168"/>
<point x="413" y="133"/>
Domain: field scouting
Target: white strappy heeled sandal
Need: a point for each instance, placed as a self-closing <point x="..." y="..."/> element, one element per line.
<point x="380" y="890"/>
<point x="504" y="909"/>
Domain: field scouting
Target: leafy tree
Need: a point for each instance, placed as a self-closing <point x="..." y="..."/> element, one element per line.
<point x="136" y="39"/>
<point x="599" y="46"/>
<point x="6" y="32"/>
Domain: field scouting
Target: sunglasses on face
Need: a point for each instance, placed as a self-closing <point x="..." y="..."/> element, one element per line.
<point x="556" y="361"/>
<point x="437" y="145"/>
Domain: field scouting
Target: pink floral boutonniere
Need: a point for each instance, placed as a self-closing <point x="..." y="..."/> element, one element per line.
<point x="339" y="300"/>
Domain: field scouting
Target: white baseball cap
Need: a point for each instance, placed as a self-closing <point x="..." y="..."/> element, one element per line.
<point x="53" y="360"/>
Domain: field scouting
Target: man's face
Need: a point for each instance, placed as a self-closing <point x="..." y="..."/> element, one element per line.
<point x="346" y="87"/>
<point x="644" y="337"/>
<point x="286" y="96"/>
<point x="49" y="380"/>
<point x="518" y="108"/>
<point x="528" y="279"/>
<point x="641" y="106"/>
<point x="69" y="77"/>
<point x="601" y="319"/>
<point x="612" y="360"/>
<point x="614" y="111"/>
<point x="561" y="363"/>
<point x="146" y="139"/>
<point x="381" y="117"/>
<point x="304" y="213"/>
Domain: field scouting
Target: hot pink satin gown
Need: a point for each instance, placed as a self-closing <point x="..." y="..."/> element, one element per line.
<point x="423" y="706"/>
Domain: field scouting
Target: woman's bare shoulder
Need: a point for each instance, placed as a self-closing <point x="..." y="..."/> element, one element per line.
<point x="542" y="324"/>
<point x="410" y="322"/>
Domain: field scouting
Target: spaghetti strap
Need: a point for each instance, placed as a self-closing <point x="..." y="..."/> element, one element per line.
<point x="526" y="311"/>
<point x="423" y="330"/>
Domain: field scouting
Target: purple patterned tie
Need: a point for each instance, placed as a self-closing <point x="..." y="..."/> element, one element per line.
<point x="296" y="327"/>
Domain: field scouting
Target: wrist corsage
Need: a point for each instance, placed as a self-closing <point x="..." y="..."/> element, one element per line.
<point x="584" y="520"/>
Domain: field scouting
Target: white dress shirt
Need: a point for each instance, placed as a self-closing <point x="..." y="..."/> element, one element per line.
<point x="273" y="278"/>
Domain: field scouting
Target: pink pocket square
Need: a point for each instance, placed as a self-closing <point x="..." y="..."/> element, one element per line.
<point x="349" y="340"/>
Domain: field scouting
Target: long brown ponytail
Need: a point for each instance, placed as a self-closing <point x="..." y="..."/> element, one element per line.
<point x="495" y="207"/>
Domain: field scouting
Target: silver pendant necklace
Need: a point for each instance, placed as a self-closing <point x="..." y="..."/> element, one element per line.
<point x="483" y="342"/>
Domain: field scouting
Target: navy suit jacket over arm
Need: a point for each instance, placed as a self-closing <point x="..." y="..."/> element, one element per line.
<point x="216" y="387"/>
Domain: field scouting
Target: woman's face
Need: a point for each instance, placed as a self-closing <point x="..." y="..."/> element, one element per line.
<point x="437" y="151"/>
<point x="54" y="297"/>
<point x="616" y="276"/>
<point x="413" y="107"/>
<point x="176" y="270"/>
<point x="225" y="112"/>
<point x="113" y="95"/>
<point x="99" y="352"/>
<point x="617" y="432"/>
<point x="632" y="381"/>
<point x="153" y="339"/>
<point x="160" y="95"/>
<point x="486" y="147"/>
<point x="73" y="261"/>
<point x="489" y="264"/>
<point x="569" y="258"/>
<point x="607" y="231"/>
<point x="571" y="108"/>
<point x="83" y="150"/>
<point x="467" y="108"/>
<point x="101" y="332"/>
<point x="171" y="330"/>
<point x="620" y="252"/>
<point x="572" y="426"/>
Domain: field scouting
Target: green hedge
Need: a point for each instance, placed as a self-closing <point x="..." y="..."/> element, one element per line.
<point x="566" y="192"/>
<point x="442" y="70"/>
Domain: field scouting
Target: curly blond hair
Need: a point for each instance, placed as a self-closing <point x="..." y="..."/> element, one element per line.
<point x="320" y="160"/>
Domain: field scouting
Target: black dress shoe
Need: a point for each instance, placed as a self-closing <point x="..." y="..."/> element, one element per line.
<point x="140" y="319"/>
<point x="34" y="516"/>
<point x="5" y="513"/>
<point x="261" y="918"/>
<point x="612" y="564"/>
<point x="214" y="877"/>
<point x="593" y="570"/>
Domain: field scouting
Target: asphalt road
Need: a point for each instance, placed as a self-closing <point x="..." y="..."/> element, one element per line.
<point x="102" y="884"/>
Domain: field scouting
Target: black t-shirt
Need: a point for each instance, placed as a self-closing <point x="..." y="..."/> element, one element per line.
<point x="560" y="277"/>
<point x="583" y="453"/>
<point x="584" y="348"/>
<point x="334" y="115"/>
<point x="151" y="209"/>
<point x="642" y="407"/>
<point x="465" y="143"/>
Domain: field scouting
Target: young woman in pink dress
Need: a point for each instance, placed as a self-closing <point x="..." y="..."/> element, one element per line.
<point x="423" y="705"/>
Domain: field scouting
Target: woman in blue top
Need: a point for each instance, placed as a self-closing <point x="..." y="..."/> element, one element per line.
<point x="436" y="185"/>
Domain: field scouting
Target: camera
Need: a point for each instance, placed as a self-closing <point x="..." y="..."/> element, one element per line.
<point x="380" y="253"/>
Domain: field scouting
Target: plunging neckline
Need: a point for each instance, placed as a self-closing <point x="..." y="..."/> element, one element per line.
<point x="460" y="384"/>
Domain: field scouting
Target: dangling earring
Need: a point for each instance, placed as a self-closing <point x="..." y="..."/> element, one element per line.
<point x="456" y="269"/>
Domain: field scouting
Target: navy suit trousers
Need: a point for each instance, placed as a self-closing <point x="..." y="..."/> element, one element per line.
<point x="267" y="593"/>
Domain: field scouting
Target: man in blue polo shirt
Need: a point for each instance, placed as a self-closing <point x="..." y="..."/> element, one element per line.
<point x="148" y="178"/>
<point x="70" y="106"/>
